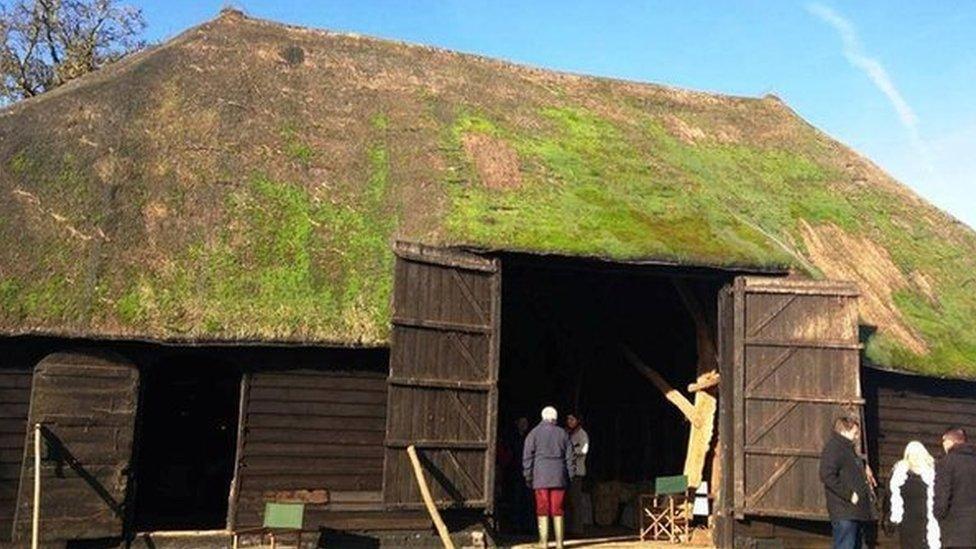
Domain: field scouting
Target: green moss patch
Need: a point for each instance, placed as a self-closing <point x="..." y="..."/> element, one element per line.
<point x="296" y="149"/>
<point x="285" y="261"/>
<point x="632" y="190"/>
<point x="594" y="188"/>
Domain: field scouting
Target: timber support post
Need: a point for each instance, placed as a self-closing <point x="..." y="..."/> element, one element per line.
<point x="701" y="438"/>
<point x="701" y="415"/>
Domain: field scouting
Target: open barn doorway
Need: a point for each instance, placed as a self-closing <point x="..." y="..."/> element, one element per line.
<point x="187" y="440"/>
<point x="581" y="336"/>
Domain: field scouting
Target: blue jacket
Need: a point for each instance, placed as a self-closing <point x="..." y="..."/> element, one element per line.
<point x="547" y="459"/>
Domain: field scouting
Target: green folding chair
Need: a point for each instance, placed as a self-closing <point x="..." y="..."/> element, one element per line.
<point x="666" y="514"/>
<point x="280" y="519"/>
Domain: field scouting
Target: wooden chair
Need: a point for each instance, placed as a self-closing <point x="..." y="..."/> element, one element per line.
<point x="280" y="519"/>
<point x="667" y="514"/>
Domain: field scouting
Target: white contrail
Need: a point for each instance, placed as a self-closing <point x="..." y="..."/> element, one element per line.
<point x="856" y="56"/>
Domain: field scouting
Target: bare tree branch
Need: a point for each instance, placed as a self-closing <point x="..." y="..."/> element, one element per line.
<point x="45" y="13"/>
<point x="45" y="43"/>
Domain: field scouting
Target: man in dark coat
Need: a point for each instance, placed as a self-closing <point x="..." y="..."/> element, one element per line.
<point x="547" y="461"/>
<point x="846" y="484"/>
<point x="955" y="490"/>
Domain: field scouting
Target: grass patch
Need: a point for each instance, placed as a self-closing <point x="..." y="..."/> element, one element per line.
<point x="295" y="148"/>
<point x="21" y="163"/>
<point x="9" y="299"/>
<point x="131" y="308"/>
<point x="380" y="122"/>
<point x="285" y="260"/>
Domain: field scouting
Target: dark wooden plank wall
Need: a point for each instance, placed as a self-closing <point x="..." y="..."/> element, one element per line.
<point x="901" y="408"/>
<point x="781" y="533"/>
<point x="16" y="365"/>
<point x="723" y="535"/>
<point x="313" y="429"/>
<point x="330" y="402"/>
<point x="87" y="404"/>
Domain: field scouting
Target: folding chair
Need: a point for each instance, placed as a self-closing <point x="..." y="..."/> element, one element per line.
<point x="667" y="514"/>
<point x="280" y="519"/>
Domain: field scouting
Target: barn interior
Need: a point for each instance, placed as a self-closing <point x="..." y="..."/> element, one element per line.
<point x="188" y="435"/>
<point x="571" y="331"/>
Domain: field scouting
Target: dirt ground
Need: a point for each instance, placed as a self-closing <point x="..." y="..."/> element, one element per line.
<point x="700" y="539"/>
<point x="613" y="543"/>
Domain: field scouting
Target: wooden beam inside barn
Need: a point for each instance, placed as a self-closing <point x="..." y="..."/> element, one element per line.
<point x="701" y="415"/>
<point x="669" y="392"/>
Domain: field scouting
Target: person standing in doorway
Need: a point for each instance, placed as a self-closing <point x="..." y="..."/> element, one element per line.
<point x="521" y="496"/>
<point x="845" y="479"/>
<point x="581" y="446"/>
<point x="912" y="488"/>
<point x="547" y="462"/>
<point x="955" y="490"/>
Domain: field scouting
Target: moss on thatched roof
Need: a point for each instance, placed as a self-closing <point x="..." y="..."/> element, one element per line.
<point x="245" y="181"/>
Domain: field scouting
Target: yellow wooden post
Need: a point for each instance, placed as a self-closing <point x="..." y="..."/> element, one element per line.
<point x="700" y="437"/>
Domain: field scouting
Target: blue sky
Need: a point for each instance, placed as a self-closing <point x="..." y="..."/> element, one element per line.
<point x="895" y="80"/>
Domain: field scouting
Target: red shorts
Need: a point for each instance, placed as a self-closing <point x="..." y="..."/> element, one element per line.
<point x="549" y="502"/>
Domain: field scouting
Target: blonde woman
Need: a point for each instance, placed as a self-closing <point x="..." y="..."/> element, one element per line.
<point x="912" y="493"/>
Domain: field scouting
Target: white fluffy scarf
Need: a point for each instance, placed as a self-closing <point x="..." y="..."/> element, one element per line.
<point x="898" y="476"/>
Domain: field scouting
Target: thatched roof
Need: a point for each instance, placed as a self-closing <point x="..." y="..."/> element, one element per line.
<point x="245" y="180"/>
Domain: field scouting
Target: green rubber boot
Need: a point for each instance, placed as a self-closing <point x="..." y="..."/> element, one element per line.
<point x="557" y="523"/>
<point x="543" y="532"/>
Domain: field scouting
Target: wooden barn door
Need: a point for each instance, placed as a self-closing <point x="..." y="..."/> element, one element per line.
<point x="795" y="368"/>
<point x="443" y="372"/>
<point x="87" y="406"/>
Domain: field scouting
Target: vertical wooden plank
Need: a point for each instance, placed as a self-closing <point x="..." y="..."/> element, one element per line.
<point x="235" y="485"/>
<point x="724" y="529"/>
<point x="738" y="401"/>
<point x="494" y="354"/>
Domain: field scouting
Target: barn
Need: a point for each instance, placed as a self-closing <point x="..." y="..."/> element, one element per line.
<point x="256" y="262"/>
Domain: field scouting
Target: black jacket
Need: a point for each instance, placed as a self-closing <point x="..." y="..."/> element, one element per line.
<point x="842" y="473"/>
<point x="955" y="496"/>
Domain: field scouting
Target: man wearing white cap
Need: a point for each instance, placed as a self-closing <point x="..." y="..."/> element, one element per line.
<point x="547" y="462"/>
